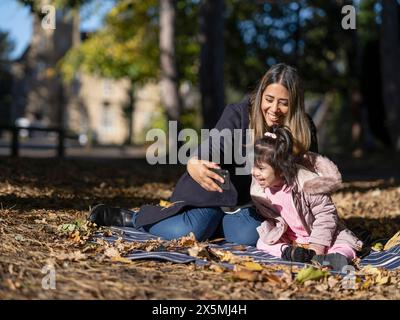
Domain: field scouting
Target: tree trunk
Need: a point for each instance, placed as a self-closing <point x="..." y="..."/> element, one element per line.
<point x="354" y="95"/>
<point x="169" y="74"/>
<point x="390" y="56"/>
<point x="129" y="114"/>
<point x="212" y="61"/>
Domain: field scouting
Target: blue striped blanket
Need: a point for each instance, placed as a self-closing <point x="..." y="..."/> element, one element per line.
<point x="389" y="259"/>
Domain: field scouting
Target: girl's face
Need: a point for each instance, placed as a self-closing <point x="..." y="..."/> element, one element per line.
<point x="275" y="104"/>
<point x="265" y="175"/>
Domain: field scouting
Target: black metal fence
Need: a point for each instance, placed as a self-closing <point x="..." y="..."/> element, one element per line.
<point x="15" y="145"/>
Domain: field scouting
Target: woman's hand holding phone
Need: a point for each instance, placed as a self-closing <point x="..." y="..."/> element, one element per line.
<point x="200" y="171"/>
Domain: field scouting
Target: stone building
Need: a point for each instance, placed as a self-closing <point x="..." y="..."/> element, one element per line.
<point x="97" y="109"/>
<point x="90" y="106"/>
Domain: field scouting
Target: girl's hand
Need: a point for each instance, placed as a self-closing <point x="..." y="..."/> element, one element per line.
<point x="319" y="249"/>
<point x="199" y="171"/>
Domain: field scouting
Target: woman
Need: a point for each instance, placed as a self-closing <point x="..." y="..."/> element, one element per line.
<point x="197" y="198"/>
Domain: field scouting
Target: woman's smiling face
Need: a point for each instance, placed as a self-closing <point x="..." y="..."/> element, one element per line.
<point x="275" y="104"/>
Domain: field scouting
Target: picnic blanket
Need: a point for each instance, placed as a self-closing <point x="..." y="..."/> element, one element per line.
<point x="389" y="259"/>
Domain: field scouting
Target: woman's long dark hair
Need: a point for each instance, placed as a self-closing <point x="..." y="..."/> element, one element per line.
<point x="296" y="118"/>
<point x="277" y="151"/>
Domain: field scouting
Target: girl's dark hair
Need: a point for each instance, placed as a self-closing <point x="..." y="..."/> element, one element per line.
<point x="278" y="153"/>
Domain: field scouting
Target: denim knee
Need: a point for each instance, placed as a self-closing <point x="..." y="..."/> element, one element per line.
<point x="201" y="221"/>
<point x="246" y="236"/>
<point x="241" y="227"/>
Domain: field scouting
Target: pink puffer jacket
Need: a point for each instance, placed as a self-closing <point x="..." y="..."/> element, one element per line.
<point x="313" y="203"/>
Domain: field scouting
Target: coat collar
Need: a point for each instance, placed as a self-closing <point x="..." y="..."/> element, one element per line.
<point x="318" y="175"/>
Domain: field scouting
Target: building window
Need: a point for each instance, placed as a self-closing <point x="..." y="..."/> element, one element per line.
<point x="106" y="116"/>
<point x="107" y="87"/>
<point x="76" y="84"/>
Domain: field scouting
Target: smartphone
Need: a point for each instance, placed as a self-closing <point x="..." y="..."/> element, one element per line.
<point x="225" y="175"/>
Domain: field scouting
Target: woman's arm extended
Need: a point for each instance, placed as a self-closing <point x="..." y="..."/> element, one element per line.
<point x="199" y="164"/>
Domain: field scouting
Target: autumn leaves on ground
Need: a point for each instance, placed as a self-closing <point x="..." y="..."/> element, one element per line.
<point x="44" y="203"/>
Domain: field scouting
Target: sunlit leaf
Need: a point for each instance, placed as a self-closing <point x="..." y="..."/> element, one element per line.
<point x="254" y="266"/>
<point x="393" y="241"/>
<point x="111" y="253"/>
<point x="68" y="227"/>
<point x="370" y="270"/>
<point x="310" y="273"/>
<point x="377" y="246"/>
<point x="165" y="203"/>
<point x="188" y="240"/>
<point x="382" y="280"/>
<point x="121" y="259"/>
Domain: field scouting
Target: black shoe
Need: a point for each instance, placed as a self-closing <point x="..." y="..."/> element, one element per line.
<point x="103" y="215"/>
<point x="334" y="261"/>
<point x="297" y="254"/>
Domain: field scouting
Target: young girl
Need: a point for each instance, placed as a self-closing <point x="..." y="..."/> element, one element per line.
<point x="301" y="223"/>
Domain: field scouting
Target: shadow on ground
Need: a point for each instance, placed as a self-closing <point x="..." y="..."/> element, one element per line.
<point x="52" y="183"/>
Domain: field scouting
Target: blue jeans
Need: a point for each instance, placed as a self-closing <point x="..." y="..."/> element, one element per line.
<point x="207" y="223"/>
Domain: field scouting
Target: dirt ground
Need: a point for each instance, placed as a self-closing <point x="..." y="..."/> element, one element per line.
<point x="44" y="203"/>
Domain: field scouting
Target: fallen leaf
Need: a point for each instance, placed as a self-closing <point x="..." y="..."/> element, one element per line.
<point x="107" y="233"/>
<point x="121" y="259"/>
<point x="332" y="282"/>
<point x="308" y="283"/>
<point x="377" y="246"/>
<point x="273" y="279"/>
<point x="393" y="241"/>
<point x="321" y="287"/>
<point x="52" y="216"/>
<point x="19" y="237"/>
<point x="285" y="295"/>
<point x="11" y="269"/>
<point x="366" y="284"/>
<point x="245" y="275"/>
<point x="226" y="256"/>
<point x="310" y="273"/>
<point x="153" y="245"/>
<point x="42" y="221"/>
<point x="216" y="268"/>
<point x="376" y="193"/>
<point x="165" y="203"/>
<point x="67" y="227"/>
<point x="370" y="270"/>
<point x="254" y="266"/>
<point x="10" y="284"/>
<point x="381" y="280"/>
<point x="73" y="256"/>
<point x="111" y="253"/>
<point x="188" y="240"/>
<point x="76" y="237"/>
<point x="199" y="251"/>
